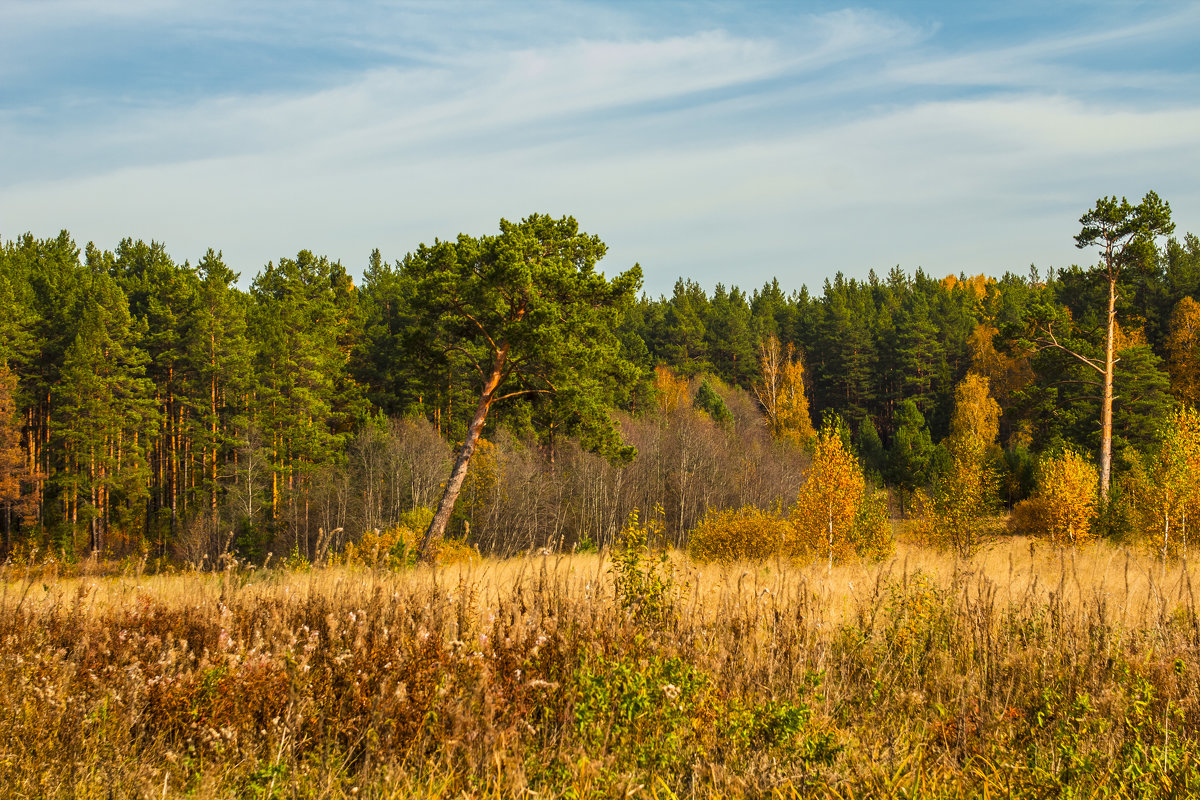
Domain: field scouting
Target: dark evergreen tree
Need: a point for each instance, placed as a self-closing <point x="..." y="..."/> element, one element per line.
<point x="218" y="365"/>
<point x="296" y="330"/>
<point x="104" y="414"/>
<point x="911" y="458"/>
<point x="728" y="337"/>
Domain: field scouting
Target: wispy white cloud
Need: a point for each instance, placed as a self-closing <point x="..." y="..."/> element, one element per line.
<point x="795" y="149"/>
<point x="1045" y="61"/>
<point x="482" y="95"/>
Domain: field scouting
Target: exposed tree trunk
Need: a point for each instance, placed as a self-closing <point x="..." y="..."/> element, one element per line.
<point x="1107" y="409"/>
<point x="437" y="528"/>
<point x="212" y="496"/>
<point x="172" y="477"/>
<point x="93" y="535"/>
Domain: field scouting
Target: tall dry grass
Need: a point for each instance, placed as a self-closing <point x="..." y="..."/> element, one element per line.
<point x="1024" y="671"/>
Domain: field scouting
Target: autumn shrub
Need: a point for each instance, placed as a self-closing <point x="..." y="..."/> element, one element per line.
<point x="396" y="547"/>
<point x="873" y="535"/>
<point x="748" y="533"/>
<point x="392" y="548"/>
<point x="1030" y="517"/>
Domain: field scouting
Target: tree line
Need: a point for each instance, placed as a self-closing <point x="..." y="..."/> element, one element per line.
<point x="153" y="406"/>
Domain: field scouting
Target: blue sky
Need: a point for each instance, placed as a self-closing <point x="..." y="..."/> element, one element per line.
<point x="723" y="142"/>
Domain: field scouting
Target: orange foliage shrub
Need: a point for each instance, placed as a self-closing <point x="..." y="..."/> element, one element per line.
<point x="747" y="533"/>
<point x="396" y="547"/>
<point x="1028" y="518"/>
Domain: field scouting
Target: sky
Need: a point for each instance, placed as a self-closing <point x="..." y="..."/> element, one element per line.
<point x="722" y="142"/>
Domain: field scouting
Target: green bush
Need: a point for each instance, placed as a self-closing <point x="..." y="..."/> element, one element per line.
<point x="641" y="574"/>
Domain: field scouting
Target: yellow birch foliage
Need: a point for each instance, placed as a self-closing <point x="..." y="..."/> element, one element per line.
<point x="1005" y="374"/>
<point x="794" y="420"/>
<point x="780" y="390"/>
<point x="874" y="537"/>
<point x="1066" y="498"/>
<point x="1183" y="351"/>
<point x="959" y="511"/>
<point x="1165" y="493"/>
<point x="828" y="504"/>
<point x="977" y="285"/>
<point x="976" y="420"/>
<point x="669" y="390"/>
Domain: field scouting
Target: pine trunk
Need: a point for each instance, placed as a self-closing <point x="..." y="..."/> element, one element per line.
<point x="1106" y="410"/>
<point x="212" y="496"/>
<point x="441" y="518"/>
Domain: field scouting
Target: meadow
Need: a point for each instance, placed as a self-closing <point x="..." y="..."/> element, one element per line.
<point x="1025" y="670"/>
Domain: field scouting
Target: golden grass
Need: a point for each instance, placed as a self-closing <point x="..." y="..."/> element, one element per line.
<point x="1132" y="583"/>
<point x="1039" y="669"/>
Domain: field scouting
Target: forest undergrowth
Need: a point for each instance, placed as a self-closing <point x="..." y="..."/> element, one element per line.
<point x="1026" y="670"/>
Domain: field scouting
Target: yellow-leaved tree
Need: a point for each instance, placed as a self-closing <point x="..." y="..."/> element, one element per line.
<point x="1066" y="499"/>
<point x="962" y="500"/>
<point x="1164" y="491"/>
<point x="670" y="391"/>
<point x="1005" y="373"/>
<point x="780" y="390"/>
<point x="1183" y="351"/>
<point x="827" y="507"/>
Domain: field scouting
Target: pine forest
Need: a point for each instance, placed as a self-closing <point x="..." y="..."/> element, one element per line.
<point x="156" y="409"/>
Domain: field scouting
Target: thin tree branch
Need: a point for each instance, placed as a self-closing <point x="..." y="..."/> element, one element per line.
<point x="461" y="310"/>
<point x="471" y="358"/>
<point x="1053" y="342"/>
<point x="522" y="392"/>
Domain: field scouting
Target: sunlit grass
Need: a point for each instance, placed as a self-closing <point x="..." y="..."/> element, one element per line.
<point x="1025" y="669"/>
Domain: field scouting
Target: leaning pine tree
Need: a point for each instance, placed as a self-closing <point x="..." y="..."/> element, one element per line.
<point x="531" y="316"/>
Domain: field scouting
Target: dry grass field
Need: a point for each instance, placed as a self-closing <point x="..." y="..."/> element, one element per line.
<point x="1025" y="671"/>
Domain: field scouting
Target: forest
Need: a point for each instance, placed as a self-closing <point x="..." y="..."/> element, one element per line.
<point x="155" y="409"/>
<point x="490" y="522"/>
